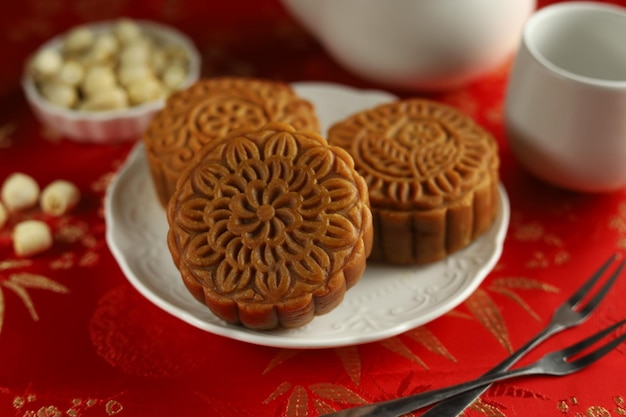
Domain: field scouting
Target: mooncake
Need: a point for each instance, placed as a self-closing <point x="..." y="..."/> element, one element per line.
<point x="269" y="227"/>
<point x="208" y="110"/>
<point x="432" y="175"/>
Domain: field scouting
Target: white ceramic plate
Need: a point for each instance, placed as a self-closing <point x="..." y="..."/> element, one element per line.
<point x="385" y="302"/>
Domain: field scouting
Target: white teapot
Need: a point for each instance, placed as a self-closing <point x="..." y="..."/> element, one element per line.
<point x="416" y="44"/>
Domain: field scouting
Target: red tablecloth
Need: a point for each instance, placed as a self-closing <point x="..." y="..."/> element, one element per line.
<point x="76" y="339"/>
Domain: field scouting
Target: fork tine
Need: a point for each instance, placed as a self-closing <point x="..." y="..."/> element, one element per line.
<point x="597" y="354"/>
<point x="582" y="291"/>
<point x="585" y="343"/>
<point x="593" y="303"/>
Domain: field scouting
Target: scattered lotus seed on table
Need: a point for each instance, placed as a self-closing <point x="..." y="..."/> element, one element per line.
<point x="31" y="237"/>
<point x="19" y="192"/>
<point x="59" y="197"/>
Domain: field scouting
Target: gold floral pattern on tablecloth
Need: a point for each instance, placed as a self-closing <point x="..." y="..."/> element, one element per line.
<point x="573" y="407"/>
<point x="31" y="405"/>
<point x="20" y="282"/>
<point x="546" y="237"/>
<point x="127" y="336"/>
<point x="482" y="307"/>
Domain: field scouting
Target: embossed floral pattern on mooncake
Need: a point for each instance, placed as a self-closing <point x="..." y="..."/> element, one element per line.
<point x="208" y="110"/>
<point x="270" y="227"/>
<point x="416" y="154"/>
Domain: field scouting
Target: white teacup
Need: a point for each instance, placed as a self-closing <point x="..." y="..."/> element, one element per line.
<point x="565" y="110"/>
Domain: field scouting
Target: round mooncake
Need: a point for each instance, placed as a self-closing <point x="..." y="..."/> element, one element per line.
<point x="269" y="227"/>
<point x="208" y="110"/>
<point x="432" y="175"/>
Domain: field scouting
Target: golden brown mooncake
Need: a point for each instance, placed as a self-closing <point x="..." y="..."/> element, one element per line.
<point x="209" y="109"/>
<point x="269" y="227"/>
<point x="432" y="175"/>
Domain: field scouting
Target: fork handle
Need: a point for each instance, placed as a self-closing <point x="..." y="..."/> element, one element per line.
<point x="400" y="406"/>
<point x="454" y="406"/>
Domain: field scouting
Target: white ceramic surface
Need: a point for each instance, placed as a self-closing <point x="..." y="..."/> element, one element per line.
<point x="385" y="302"/>
<point x="112" y="125"/>
<point x="416" y="44"/>
<point x="565" y="108"/>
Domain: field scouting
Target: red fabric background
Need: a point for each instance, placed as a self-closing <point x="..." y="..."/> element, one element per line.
<point x="77" y="340"/>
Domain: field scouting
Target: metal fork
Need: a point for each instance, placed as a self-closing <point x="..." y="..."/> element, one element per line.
<point x="554" y="363"/>
<point x="567" y="315"/>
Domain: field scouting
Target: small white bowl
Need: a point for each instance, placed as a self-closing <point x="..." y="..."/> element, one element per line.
<point x="108" y="126"/>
